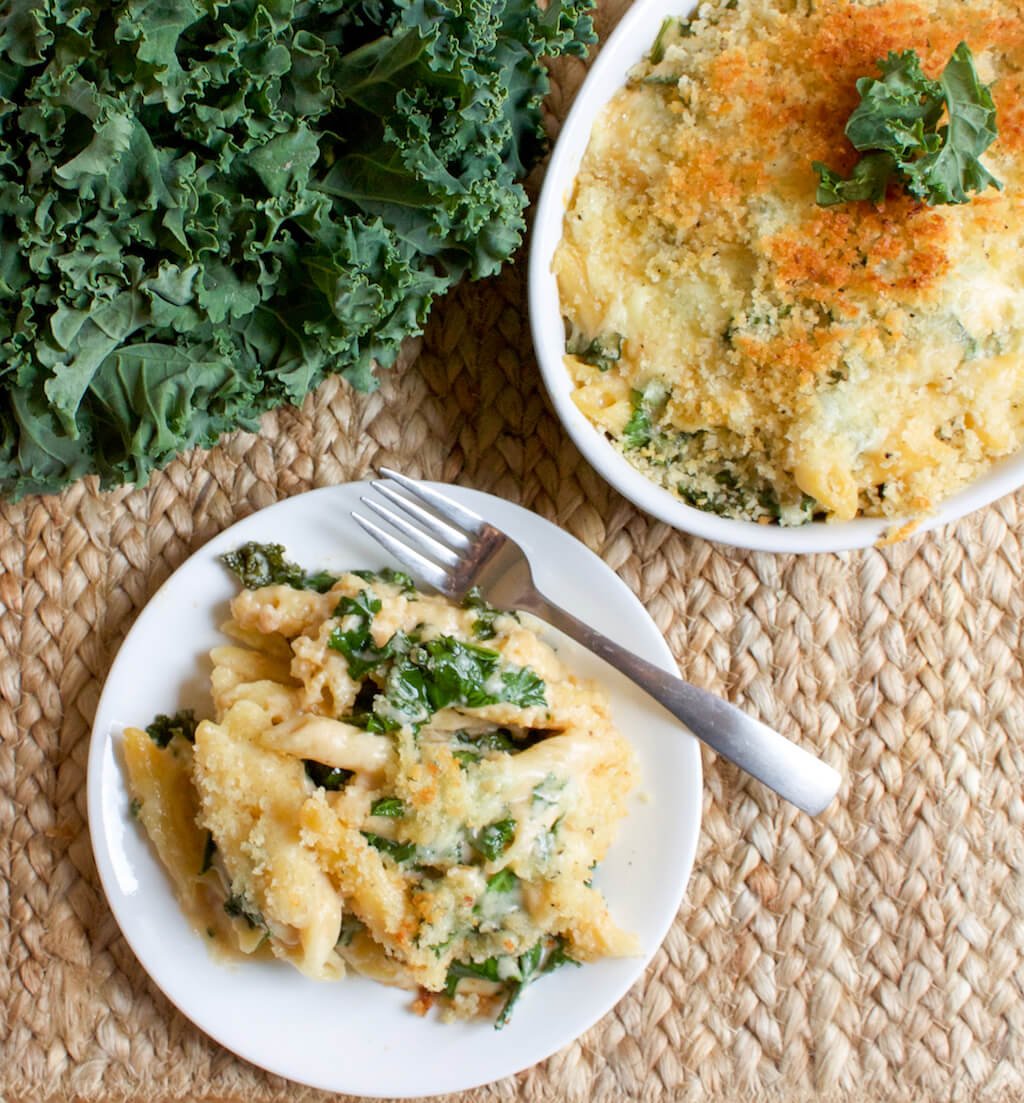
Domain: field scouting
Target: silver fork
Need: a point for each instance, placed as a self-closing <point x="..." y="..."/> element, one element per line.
<point x="452" y="550"/>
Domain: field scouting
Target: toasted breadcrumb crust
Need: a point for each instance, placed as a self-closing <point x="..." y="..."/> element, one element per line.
<point x="838" y="361"/>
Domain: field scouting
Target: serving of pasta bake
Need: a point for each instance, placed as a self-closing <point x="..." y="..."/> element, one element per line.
<point x="791" y="265"/>
<point x="416" y="790"/>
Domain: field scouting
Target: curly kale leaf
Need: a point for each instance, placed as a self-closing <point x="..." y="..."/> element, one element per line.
<point x="897" y="111"/>
<point x="206" y="208"/>
<point x="897" y="126"/>
<point x="950" y="167"/>
<point x="868" y="180"/>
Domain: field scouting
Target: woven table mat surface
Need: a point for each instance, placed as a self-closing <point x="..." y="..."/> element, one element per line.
<point x="876" y="953"/>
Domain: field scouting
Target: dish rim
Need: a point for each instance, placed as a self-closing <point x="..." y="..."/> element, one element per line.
<point x="624" y="47"/>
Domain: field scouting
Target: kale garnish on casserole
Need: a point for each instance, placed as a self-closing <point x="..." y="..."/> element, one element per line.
<point x="792" y="265"/>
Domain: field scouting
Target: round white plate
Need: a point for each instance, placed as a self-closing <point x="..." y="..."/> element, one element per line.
<point x="356" y="1036"/>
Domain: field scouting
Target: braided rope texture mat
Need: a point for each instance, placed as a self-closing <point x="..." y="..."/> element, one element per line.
<point x="874" y="954"/>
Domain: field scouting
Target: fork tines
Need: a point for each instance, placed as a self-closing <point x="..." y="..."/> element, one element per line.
<point x="450" y="510"/>
<point x="437" y="528"/>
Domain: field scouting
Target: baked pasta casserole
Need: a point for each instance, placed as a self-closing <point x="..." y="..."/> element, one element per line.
<point x="392" y="783"/>
<point x="765" y="357"/>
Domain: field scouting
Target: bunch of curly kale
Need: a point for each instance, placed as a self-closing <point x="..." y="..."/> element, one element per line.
<point x="206" y="206"/>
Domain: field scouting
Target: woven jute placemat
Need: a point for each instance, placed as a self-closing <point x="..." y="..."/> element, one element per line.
<point x="876" y="953"/>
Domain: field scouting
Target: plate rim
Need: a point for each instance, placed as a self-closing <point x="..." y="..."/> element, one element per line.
<point x="98" y="828"/>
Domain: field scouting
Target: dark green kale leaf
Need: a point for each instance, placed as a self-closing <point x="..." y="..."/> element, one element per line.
<point x="529" y="964"/>
<point x="483" y="625"/>
<point x="897" y="126"/>
<point x="648" y="405"/>
<point x="365" y="604"/>
<point x="503" y="881"/>
<point x="533" y="964"/>
<point x="371" y="722"/>
<point x="558" y="957"/>
<point x="459" y="673"/>
<point x="639" y="430"/>
<point x="950" y="168"/>
<point x="331" y="778"/>
<point x="388" y="574"/>
<point x="392" y="807"/>
<point x="897" y="111"/>
<point x="165" y="728"/>
<point x="522" y="687"/>
<point x="543" y="957"/>
<point x="257" y="565"/>
<point x="483" y="970"/>
<point x="356" y="642"/>
<point x="322" y="581"/>
<point x="868" y="180"/>
<point x="445" y="673"/>
<point x="499" y="739"/>
<point x="406" y="695"/>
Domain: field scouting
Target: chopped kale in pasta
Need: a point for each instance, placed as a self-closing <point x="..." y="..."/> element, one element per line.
<point x="388" y="806"/>
<point x="708" y="469"/>
<point x="483" y="626"/>
<point x="331" y="778"/>
<point x="379" y="791"/>
<point x="257" y="565"/>
<point x="164" y="728"/>
<point x="600" y="352"/>
<point x="388" y="574"/>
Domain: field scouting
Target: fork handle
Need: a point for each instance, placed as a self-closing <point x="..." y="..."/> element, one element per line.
<point x="789" y="770"/>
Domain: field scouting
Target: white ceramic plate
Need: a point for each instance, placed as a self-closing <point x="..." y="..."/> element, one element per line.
<point x="626" y="46"/>
<point x="356" y="1036"/>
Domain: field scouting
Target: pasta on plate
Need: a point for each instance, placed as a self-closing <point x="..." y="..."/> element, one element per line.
<point x="391" y="783"/>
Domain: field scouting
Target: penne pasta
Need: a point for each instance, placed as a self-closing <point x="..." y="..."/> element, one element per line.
<point x="415" y="790"/>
